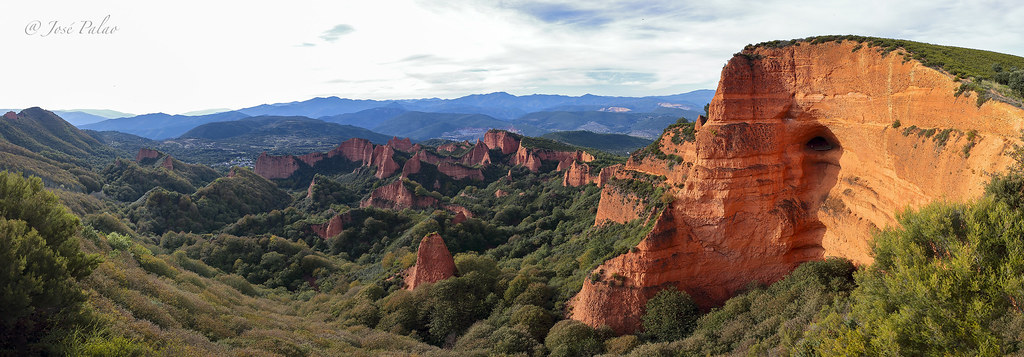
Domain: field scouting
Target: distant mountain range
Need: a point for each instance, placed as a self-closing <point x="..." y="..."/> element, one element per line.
<point x="460" y="118"/>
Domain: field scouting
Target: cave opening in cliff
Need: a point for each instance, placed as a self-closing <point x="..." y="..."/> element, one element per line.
<point x="819" y="144"/>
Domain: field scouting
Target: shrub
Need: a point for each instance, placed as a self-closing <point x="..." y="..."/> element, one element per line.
<point x="572" y="338"/>
<point x="670" y="315"/>
<point x="118" y="241"/>
<point x="896" y="124"/>
<point x="156" y="266"/>
<point x="41" y="261"/>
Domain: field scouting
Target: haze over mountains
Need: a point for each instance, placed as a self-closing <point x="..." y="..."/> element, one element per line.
<point x="461" y="118"/>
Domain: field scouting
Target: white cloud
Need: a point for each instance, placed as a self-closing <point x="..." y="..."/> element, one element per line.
<point x="191" y="55"/>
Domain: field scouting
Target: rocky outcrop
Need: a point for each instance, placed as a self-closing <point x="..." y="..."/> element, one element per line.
<point x="577" y="174"/>
<point x="459" y="218"/>
<point x="460" y="172"/>
<point x="499" y="139"/>
<point x="145" y="153"/>
<point x="618" y="205"/>
<point x="356" y="150"/>
<point x="400" y="144"/>
<point x="532" y="158"/>
<point x="478" y="155"/>
<point x="797" y="161"/>
<point x="413" y="165"/>
<point x="276" y="167"/>
<point x="333" y="227"/>
<point x="433" y="262"/>
<point x="168" y="163"/>
<point x="384" y="159"/>
<point x="397" y="196"/>
<point x="606" y="174"/>
<point x="10" y="115"/>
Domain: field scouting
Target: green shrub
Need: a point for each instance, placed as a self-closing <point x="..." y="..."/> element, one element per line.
<point x="896" y="124"/>
<point x="118" y="241"/>
<point x="670" y="315"/>
<point x="239" y="283"/>
<point x="41" y="260"/>
<point x="156" y="266"/>
<point x="572" y="338"/>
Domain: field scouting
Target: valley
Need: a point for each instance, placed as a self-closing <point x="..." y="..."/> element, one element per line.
<point x="835" y="195"/>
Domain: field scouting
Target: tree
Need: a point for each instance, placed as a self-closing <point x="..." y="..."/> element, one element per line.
<point x="670" y="315"/>
<point x="572" y="338"/>
<point x="40" y="261"/>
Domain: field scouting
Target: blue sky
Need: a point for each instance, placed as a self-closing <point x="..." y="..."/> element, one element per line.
<point x="185" y="55"/>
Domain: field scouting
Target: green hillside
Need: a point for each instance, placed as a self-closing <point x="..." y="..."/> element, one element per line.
<point x="40" y="143"/>
<point x="126" y="180"/>
<point x="423" y="126"/>
<point x="618" y="144"/>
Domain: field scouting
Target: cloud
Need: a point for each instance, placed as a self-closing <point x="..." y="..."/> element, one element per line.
<point x="336" y="32"/>
<point x="438" y="48"/>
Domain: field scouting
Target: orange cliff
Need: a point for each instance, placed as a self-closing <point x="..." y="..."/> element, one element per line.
<point x="433" y="262"/>
<point x="357" y="150"/>
<point x="798" y="161"/>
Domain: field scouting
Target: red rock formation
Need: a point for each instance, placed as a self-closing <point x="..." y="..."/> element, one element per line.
<point x="384" y="159"/>
<point x="397" y="196"/>
<point x="145" y="153"/>
<point x="606" y="174"/>
<point x="333" y="227"/>
<point x="459" y="218"/>
<point x="617" y="206"/>
<point x="576" y="175"/>
<point x="433" y="262"/>
<point x="413" y="165"/>
<point x="11" y="115"/>
<point x="355" y="149"/>
<point x="276" y="167"/>
<point x="460" y="172"/>
<point x="798" y="161"/>
<point x="499" y="193"/>
<point x="168" y="163"/>
<point x="500" y="139"/>
<point x="309" y="190"/>
<point x="400" y="144"/>
<point x="479" y="155"/>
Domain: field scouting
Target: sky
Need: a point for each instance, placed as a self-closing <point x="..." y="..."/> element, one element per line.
<point x="184" y="55"/>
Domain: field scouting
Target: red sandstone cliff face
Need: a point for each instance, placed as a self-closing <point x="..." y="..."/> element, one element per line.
<point x="276" y="167"/>
<point x="168" y="163"/>
<point x="500" y="139"/>
<point x="460" y="172"/>
<point x="401" y="144"/>
<point x="479" y="155"/>
<point x="333" y="227"/>
<point x="433" y="262"/>
<point x="10" y="115"/>
<point x="576" y="175"/>
<point x="798" y="160"/>
<point x="145" y="153"/>
<point x="397" y="197"/>
<point x="384" y="159"/>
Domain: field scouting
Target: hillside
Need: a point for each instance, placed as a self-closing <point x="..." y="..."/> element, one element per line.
<point x="272" y="128"/>
<point x="367" y="119"/>
<point x="453" y="126"/>
<point x="40" y="143"/>
<point x="159" y="126"/>
<point x="618" y="144"/>
<point x="645" y="125"/>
